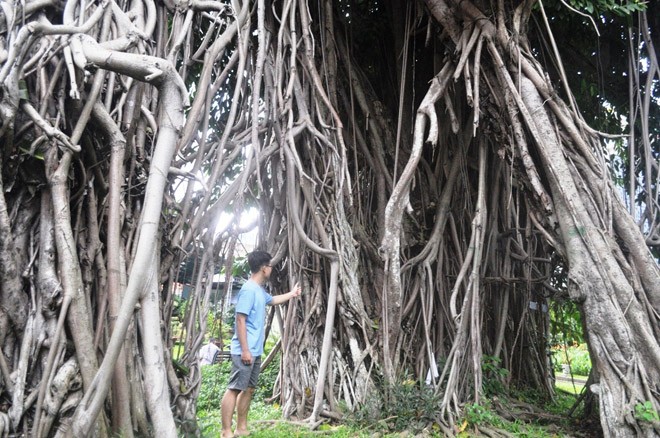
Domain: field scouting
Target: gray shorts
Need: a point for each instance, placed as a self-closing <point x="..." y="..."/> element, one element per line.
<point x="244" y="376"/>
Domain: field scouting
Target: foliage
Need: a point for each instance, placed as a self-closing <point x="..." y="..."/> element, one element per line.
<point x="240" y="267"/>
<point x="560" y="404"/>
<point x="646" y="412"/>
<point x="178" y="310"/>
<point x="265" y="419"/>
<point x="214" y="383"/>
<point x="567" y="338"/>
<point x="529" y="395"/>
<point x="494" y="375"/>
<point x="481" y="413"/>
<point x="522" y="430"/>
<point x="598" y="71"/>
<point x="210" y="423"/>
<point x="576" y="356"/>
<point x="178" y="306"/>
<point x="267" y="378"/>
<point x="410" y="406"/>
<point x="213" y="323"/>
<point x="618" y="7"/>
<point x="565" y="315"/>
<point x="226" y="319"/>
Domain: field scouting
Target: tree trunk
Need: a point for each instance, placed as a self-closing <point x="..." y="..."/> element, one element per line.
<point x="415" y="170"/>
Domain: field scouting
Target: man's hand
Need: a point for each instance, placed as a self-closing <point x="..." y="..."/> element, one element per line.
<point x="296" y="291"/>
<point x="279" y="299"/>
<point x="246" y="357"/>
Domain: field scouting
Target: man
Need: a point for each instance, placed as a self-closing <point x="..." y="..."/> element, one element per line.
<point x="208" y="352"/>
<point x="247" y="345"/>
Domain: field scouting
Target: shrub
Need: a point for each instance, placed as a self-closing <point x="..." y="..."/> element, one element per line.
<point x="408" y="405"/>
<point x="493" y="375"/>
<point x="481" y="414"/>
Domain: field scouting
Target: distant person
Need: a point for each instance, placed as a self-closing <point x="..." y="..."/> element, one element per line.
<point x="247" y="345"/>
<point x="207" y="354"/>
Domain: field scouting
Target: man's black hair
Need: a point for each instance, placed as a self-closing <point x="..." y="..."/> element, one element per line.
<point x="258" y="259"/>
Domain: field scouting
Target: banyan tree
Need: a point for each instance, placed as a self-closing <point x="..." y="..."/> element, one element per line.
<point x="422" y="167"/>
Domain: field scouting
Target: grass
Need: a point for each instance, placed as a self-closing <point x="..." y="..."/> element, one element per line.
<point x="562" y="403"/>
<point x="265" y="421"/>
<point x="403" y="412"/>
<point x="260" y="412"/>
<point x="574" y="387"/>
<point x="571" y="388"/>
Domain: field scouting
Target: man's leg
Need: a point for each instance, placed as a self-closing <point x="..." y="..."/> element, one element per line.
<point x="242" y="408"/>
<point x="227" y="409"/>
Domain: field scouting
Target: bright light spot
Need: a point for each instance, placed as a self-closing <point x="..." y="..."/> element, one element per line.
<point x="247" y="226"/>
<point x="247" y="220"/>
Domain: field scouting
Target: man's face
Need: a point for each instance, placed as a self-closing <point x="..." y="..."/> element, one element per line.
<point x="267" y="270"/>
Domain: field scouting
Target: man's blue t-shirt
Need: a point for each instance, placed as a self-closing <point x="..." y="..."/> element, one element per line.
<point x="251" y="301"/>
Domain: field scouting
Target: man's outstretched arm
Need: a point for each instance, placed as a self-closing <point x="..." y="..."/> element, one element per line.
<point x="279" y="299"/>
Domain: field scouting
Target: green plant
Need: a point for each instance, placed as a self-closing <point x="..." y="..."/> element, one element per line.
<point x="277" y="430"/>
<point x="494" y="375"/>
<point x="407" y="405"/>
<point x="210" y="423"/>
<point x="226" y="323"/>
<point x="240" y="267"/>
<point x="576" y="356"/>
<point x="214" y="383"/>
<point x="267" y="378"/>
<point x="646" y="412"/>
<point x="213" y="323"/>
<point x="621" y="8"/>
<point x="178" y="312"/>
<point x="559" y="404"/>
<point x="565" y="316"/>
<point x="481" y="413"/>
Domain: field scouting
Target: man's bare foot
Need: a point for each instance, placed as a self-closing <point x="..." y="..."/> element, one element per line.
<point x="227" y="434"/>
<point x="242" y="432"/>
